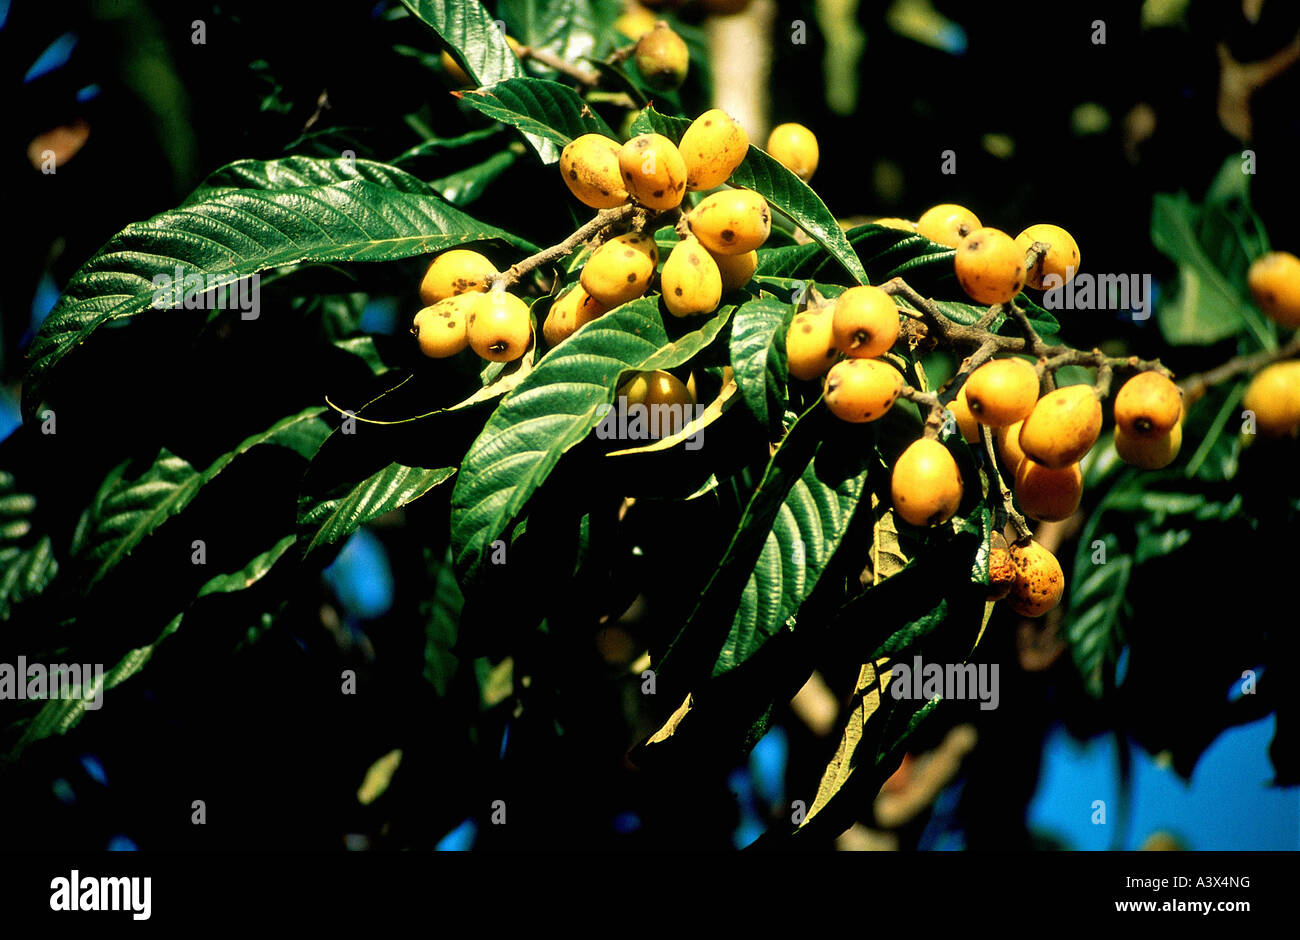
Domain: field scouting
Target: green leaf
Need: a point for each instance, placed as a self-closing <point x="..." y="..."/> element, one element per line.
<point x="782" y="189"/>
<point x="441" y="627"/>
<point x="234" y="235"/>
<point x="59" y="716"/>
<point x="297" y="172"/>
<point x="757" y="355"/>
<point x="330" y="520"/>
<point x="464" y="186"/>
<point x="804" y="535"/>
<point x="568" y="29"/>
<point x="26" y="567"/>
<point x="127" y="509"/>
<point x="554" y="408"/>
<point x="472" y="37"/>
<point x="1206" y="307"/>
<point x="539" y="107"/>
<point x="1096" y="604"/>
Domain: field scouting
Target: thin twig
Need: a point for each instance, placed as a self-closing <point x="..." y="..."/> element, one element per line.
<point x="934" y="416"/>
<point x="542" y="57"/>
<point x="995" y="477"/>
<point x="604" y="219"/>
<point x="1194" y="386"/>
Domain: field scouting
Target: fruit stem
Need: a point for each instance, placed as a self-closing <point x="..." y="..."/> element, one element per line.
<point x="934" y="416"/>
<point x="604" y="219"/>
<point x="1022" y="527"/>
<point x="542" y="57"/>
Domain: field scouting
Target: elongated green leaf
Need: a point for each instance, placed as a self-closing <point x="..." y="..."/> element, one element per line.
<point x="758" y="355"/>
<point x="471" y="34"/>
<point x="127" y="509"/>
<point x="554" y="408"/>
<point x="297" y="172"/>
<point x="1093" y="620"/>
<point x="568" y="29"/>
<point x="464" y="186"/>
<point x="392" y="487"/>
<point x="26" y="567"/>
<point x="536" y="106"/>
<point x="442" y="626"/>
<point x="781" y="188"/>
<point x="61" y="715"/>
<point x="804" y="535"/>
<point x="234" y="235"/>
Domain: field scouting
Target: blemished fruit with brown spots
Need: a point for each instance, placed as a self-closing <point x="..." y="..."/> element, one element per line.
<point x="1002" y="392"/>
<point x="1273" y="396"/>
<point x="570" y="312"/>
<point x="1148" y="405"/>
<point x="1048" y="495"/>
<point x="1062" y="427"/>
<point x="810" y="344"/>
<point x="990" y="267"/>
<point x="1147" y="451"/>
<point x="662" y="58"/>
<point x="947" y="224"/>
<point x="589" y="165"/>
<point x="1040" y="582"/>
<point x="966" y="423"/>
<point x="926" y="485"/>
<point x="690" y="280"/>
<point x="500" y="327"/>
<point x="861" y="390"/>
<point x="795" y="148"/>
<point x="865" y="322"/>
<point x="713" y="146"/>
<point x="441" y="329"/>
<point x="1274" y="281"/>
<point x="620" y="269"/>
<point x="736" y="270"/>
<point x="1002" y="573"/>
<point x="458" y="271"/>
<point x="653" y="171"/>
<point x="732" y="222"/>
<point x="1060" y="261"/>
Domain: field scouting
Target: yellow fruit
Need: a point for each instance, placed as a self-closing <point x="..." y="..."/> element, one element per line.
<point x="690" y="280"/>
<point x="656" y="388"/>
<point x="458" y="271"/>
<point x="860" y="390"/>
<point x="864" y="322"/>
<point x="926" y="484"/>
<point x="1148" y="405"/>
<point x="635" y="21"/>
<point x="713" y="146"/>
<point x="1274" y="397"/>
<point x="1048" y="495"/>
<point x="441" y="329"/>
<point x="1062" y="427"/>
<point x="1008" y="443"/>
<point x="653" y="171"/>
<point x="571" y="311"/>
<point x="795" y="148"/>
<point x="990" y="268"/>
<point x="736" y="270"/>
<point x="620" y="269"/>
<point x="732" y="222"/>
<point x="1061" y="259"/>
<point x="662" y="58"/>
<point x="947" y="224"/>
<point x="1150" y="452"/>
<point x="500" y="327"/>
<point x="1274" y="281"/>
<point x="459" y="77"/>
<point x="589" y="165"/>
<point x="1040" y="582"/>
<point x="1002" y="392"/>
<point x="810" y="344"/>
<point x="966" y="423"/>
<point x="1002" y="573"/>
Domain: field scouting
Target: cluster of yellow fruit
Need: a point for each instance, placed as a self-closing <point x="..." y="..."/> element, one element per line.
<point x="460" y="311"/>
<point x="1273" y="395"/>
<point x="725" y="228"/>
